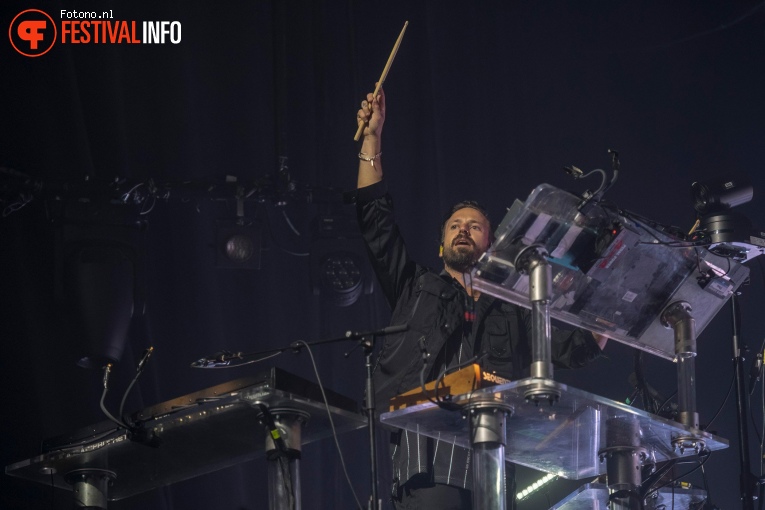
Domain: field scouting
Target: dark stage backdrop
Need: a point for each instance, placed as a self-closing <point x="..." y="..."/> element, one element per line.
<point x="486" y="100"/>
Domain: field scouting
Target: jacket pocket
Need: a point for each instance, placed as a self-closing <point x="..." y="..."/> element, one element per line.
<point x="498" y="338"/>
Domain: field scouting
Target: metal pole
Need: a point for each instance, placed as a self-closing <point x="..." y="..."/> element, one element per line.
<point x="284" y="484"/>
<point x="283" y="450"/>
<point x="488" y="439"/>
<point x="540" y="290"/>
<point x="370" y="411"/>
<point x="742" y="410"/>
<point x="624" y="459"/>
<point x="90" y="487"/>
<point x="533" y="260"/>
<point x="677" y="316"/>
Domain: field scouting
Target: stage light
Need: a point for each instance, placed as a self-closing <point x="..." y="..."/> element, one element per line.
<point x="536" y="486"/>
<point x="340" y="271"/>
<point x="238" y="244"/>
<point x="339" y="267"/>
<point x="239" y="248"/>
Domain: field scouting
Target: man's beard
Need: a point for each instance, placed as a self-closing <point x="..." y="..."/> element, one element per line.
<point x="461" y="260"/>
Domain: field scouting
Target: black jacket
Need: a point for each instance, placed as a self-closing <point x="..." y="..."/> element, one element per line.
<point x="433" y="305"/>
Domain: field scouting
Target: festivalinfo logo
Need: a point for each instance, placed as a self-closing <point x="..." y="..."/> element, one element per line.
<point x="34" y="32"/>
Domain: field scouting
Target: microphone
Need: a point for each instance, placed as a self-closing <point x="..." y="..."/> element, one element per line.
<point x="219" y="359"/>
<point x="222" y="359"/>
<point x="390" y="330"/>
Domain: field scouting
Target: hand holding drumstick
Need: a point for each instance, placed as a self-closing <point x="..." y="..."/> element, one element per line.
<point x="371" y="118"/>
<point x="384" y="74"/>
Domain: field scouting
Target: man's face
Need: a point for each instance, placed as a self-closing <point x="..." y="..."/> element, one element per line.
<point x="466" y="238"/>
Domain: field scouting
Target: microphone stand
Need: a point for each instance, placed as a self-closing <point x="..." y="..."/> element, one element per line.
<point x="225" y="359"/>
<point x="366" y="340"/>
<point x="747" y="481"/>
<point x="368" y="345"/>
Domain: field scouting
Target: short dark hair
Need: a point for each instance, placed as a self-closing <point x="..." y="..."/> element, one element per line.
<point x="472" y="204"/>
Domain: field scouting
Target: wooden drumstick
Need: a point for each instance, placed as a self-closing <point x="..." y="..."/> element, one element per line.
<point x="383" y="75"/>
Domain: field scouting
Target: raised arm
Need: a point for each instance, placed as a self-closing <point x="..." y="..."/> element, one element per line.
<point x="374" y="207"/>
<point x="372" y="116"/>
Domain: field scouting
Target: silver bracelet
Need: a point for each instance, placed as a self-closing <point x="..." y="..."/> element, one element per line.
<point x="364" y="157"/>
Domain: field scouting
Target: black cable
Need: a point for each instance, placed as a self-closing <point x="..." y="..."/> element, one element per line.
<point x="331" y="421"/>
<point x="425" y="357"/>
<point x="657" y="475"/>
<point x="673" y="497"/>
<point x="282" y="453"/>
<point x="727" y="396"/>
<point x="678" y="244"/>
<point x="633" y="398"/>
<point x="107" y="372"/>
<point x="706" y="483"/>
<point x="284" y="466"/>
<point x="698" y="261"/>
<point x="445" y="403"/>
<point x="276" y="243"/>
<point x="649" y="403"/>
<point x="705" y="453"/>
<point x="139" y="370"/>
<point x="663" y="404"/>
<point x="422" y="382"/>
<point x="639" y="219"/>
<point x="631" y="495"/>
<point x="644" y="223"/>
<point x="754" y="424"/>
